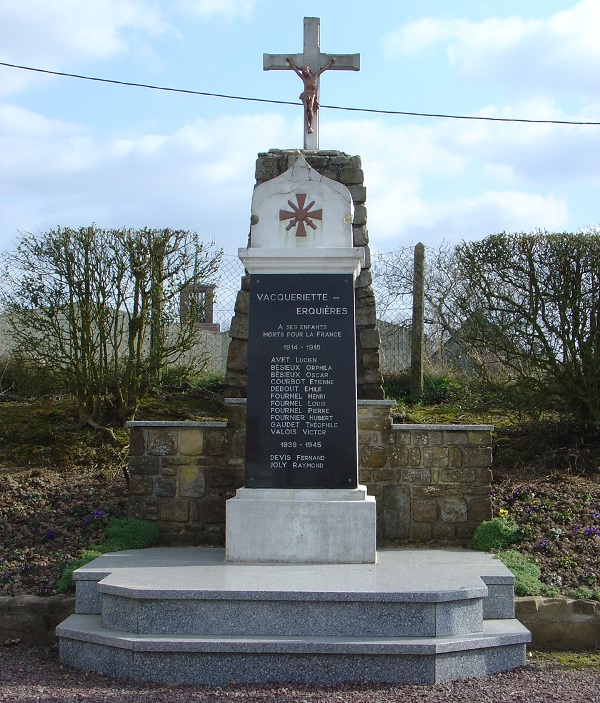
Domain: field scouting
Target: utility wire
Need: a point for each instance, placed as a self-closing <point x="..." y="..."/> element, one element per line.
<point x="286" y="102"/>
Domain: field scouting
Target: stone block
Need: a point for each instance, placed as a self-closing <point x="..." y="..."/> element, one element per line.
<point x="174" y="510"/>
<point x="136" y="507"/>
<point x="215" y="442"/>
<point x="374" y="424"/>
<point x="369" y="338"/>
<point x="237" y="355"/>
<point x="352" y="176"/>
<point x="360" y="236"/>
<point x="398" y="456"/>
<point x="395" y="512"/>
<point x="480" y="510"/>
<point x="358" y="193"/>
<point x="420" y="439"/>
<point x="429" y="491"/>
<point x="366" y="316"/>
<point x="242" y="302"/>
<point x="480" y="437"/>
<point x="141" y="486"/>
<point x="136" y="441"/>
<point x="435" y="456"/>
<point x="209" y="510"/>
<point x="165" y="488"/>
<point x="365" y="476"/>
<point x="416" y="475"/>
<point x="364" y="279"/>
<point x="370" y="359"/>
<point x="221" y="476"/>
<point x="192" y="482"/>
<point x="384" y="475"/>
<point x="367" y="377"/>
<point x="424" y="510"/>
<point x="401" y="436"/>
<point x="461" y="475"/>
<point x="151" y="508"/>
<point x="191" y="441"/>
<point x="477" y="456"/>
<point x="455" y="437"/>
<point x="360" y="215"/>
<point x="239" y="327"/>
<point x="237" y="446"/>
<point x="373" y="457"/>
<point x="484" y="476"/>
<point x="144" y="465"/>
<point x="368" y="438"/>
<point x="415" y="456"/>
<point x="453" y="509"/>
<point x="421" y="531"/>
<point x="162" y="442"/>
<point x="443" y="531"/>
<point x="455" y="456"/>
<point x="236" y="416"/>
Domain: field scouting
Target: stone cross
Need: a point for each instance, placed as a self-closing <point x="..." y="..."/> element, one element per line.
<point x="309" y="65"/>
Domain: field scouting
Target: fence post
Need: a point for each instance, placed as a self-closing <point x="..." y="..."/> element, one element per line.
<point x="417" y="332"/>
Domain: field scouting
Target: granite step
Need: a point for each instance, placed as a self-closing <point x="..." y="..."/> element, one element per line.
<point x="408" y="576"/>
<point x="217" y="660"/>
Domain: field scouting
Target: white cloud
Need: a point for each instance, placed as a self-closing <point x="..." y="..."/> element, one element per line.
<point x="199" y="177"/>
<point x="561" y="52"/>
<point x="63" y="33"/>
<point x="459" y="180"/>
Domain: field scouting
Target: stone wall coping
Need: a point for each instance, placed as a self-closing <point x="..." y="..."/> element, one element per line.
<point x="235" y="401"/>
<point x="172" y="424"/>
<point x="445" y="428"/>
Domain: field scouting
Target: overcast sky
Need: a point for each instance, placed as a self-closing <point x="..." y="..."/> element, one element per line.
<point x="74" y="152"/>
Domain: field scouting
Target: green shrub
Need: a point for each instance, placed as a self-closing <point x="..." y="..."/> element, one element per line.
<point x="494" y="534"/>
<point x="120" y="535"/>
<point x="585" y="593"/>
<point x="129" y="534"/>
<point x="526" y="573"/>
<point x="65" y="583"/>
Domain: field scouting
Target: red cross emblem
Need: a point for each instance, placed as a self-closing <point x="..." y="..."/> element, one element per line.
<point x="300" y="215"/>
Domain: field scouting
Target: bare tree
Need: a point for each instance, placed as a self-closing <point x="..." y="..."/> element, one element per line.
<point x="532" y="303"/>
<point x="100" y="307"/>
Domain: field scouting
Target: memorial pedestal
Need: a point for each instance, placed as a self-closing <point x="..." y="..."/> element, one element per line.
<point x="320" y="526"/>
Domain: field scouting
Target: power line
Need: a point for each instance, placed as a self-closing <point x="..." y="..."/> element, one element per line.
<point x="286" y="102"/>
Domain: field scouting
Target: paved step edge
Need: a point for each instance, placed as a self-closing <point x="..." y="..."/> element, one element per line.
<point x="497" y="633"/>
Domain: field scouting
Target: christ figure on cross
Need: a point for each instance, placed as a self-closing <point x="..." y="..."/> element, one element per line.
<point x="309" y="66"/>
<point x="309" y="95"/>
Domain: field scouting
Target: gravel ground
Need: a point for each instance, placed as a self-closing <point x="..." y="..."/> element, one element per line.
<point x="30" y="673"/>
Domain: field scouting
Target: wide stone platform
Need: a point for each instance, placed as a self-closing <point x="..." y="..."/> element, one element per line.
<point x="185" y="615"/>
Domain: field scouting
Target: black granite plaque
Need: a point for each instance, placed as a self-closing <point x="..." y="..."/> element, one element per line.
<point x="301" y="413"/>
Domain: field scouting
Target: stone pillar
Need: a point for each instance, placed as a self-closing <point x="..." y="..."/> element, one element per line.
<point x="347" y="170"/>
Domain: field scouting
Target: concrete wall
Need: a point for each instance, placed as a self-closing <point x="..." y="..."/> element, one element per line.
<point x="431" y="482"/>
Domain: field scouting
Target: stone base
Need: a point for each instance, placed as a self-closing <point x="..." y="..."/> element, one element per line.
<point x="301" y="526"/>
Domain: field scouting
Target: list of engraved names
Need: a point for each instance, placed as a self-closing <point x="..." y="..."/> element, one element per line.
<point x="301" y="385"/>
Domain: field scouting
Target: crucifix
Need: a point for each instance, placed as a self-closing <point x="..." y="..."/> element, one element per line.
<point x="309" y="66"/>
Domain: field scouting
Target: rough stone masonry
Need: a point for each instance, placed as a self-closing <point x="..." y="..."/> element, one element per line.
<point x="347" y="170"/>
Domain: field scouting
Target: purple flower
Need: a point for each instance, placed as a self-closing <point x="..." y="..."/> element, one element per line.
<point x="576" y="530"/>
<point x="589" y="531"/>
<point x="98" y="514"/>
<point x="50" y="534"/>
<point x="544" y="544"/>
<point x="595" y="515"/>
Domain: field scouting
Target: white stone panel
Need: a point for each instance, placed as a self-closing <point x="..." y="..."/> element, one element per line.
<point x="324" y="208"/>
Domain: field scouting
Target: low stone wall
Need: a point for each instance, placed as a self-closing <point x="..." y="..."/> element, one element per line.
<point x="431" y="482"/>
<point x="560" y="623"/>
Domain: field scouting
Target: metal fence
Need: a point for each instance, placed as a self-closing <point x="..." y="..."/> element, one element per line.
<point x="393" y="312"/>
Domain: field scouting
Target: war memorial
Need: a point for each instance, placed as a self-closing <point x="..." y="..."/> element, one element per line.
<point x="273" y="522"/>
